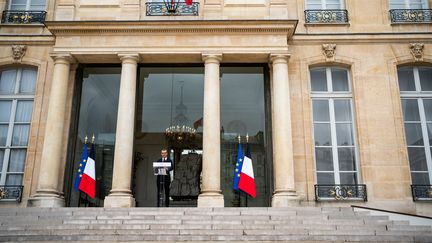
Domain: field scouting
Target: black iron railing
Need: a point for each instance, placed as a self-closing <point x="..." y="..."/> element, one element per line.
<point x="171" y="8"/>
<point x="340" y="192"/>
<point x="421" y="192"/>
<point x="411" y="15"/>
<point x="23" y="17"/>
<point x="11" y="193"/>
<point x="326" y="16"/>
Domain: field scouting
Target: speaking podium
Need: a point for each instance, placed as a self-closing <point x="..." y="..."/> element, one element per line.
<point x="161" y="169"/>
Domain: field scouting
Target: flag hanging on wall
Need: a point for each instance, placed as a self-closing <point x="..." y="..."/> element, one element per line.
<point x="88" y="179"/>
<point x="239" y="163"/>
<point x="83" y="161"/>
<point x="247" y="179"/>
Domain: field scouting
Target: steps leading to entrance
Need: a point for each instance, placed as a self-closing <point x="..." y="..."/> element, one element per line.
<point x="302" y="224"/>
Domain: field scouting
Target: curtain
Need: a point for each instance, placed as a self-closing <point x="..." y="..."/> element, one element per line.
<point x="20" y="135"/>
<point x="2" y="152"/>
<point x="7" y="81"/>
<point x="14" y="179"/>
<point x="17" y="160"/>
<point x="5" y="109"/>
<point x="28" y="81"/>
<point x="3" y="134"/>
<point x="24" y="111"/>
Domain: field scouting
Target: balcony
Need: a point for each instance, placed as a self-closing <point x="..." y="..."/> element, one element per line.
<point x="326" y="16"/>
<point x="421" y="192"/>
<point x="11" y="193"/>
<point x="173" y="8"/>
<point x="411" y="16"/>
<point x="23" y="17"/>
<point x="340" y="192"/>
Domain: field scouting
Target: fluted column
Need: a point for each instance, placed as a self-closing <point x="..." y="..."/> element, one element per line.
<point x="283" y="161"/>
<point x="121" y="194"/>
<point x="211" y="195"/>
<point x="48" y="193"/>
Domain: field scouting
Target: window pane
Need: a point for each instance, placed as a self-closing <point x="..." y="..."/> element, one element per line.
<point x="425" y="78"/>
<point x="347" y="159"/>
<point x="413" y="134"/>
<point x="417" y="159"/>
<point x="348" y="178"/>
<point x="3" y="134"/>
<point x="5" y="109"/>
<point x="420" y="178"/>
<point x="28" y="81"/>
<point x="319" y="79"/>
<point x="342" y="110"/>
<point x="427" y="103"/>
<point x="321" y="110"/>
<point x="7" y="81"/>
<point x="322" y="135"/>
<point x="37" y="2"/>
<point x="2" y="152"/>
<point x="24" y="111"/>
<point x="19" y="1"/>
<point x="410" y="110"/>
<point x="324" y="159"/>
<point x="17" y="160"/>
<point x="344" y="135"/>
<point x="340" y="79"/>
<point x="20" y="135"/>
<point x="429" y="127"/>
<point x="325" y="178"/>
<point x="14" y="180"/>
<point x="406" y="79"/>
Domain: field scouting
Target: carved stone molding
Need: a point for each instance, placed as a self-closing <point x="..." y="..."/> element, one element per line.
<point x="417" y="51"/>
<point x="329" y="51"/>
<point x="18" y="52"/>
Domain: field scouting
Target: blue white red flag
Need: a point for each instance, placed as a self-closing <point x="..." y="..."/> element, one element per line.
<point x="247" y="179"/>
<point x="83" y="161"/>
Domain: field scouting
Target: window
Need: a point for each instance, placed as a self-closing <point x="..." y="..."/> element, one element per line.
<point x="33" y="5"/>
<point x="17" y="87"/>
<point x="324" y="4"/>
<point x="415" y="85"/>
<point x="408" y="4"/>
<point x="333" y="125"/>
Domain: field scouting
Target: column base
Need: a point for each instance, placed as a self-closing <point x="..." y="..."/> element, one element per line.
<point x="119" y="201"/>
<point x="46" y="201"/>
<point x="285" y="199"/>
<point x="211" y="200"/>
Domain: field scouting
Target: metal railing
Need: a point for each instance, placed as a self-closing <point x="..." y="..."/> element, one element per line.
<point x="171" y="8"/>
<point x="23" y="17"/>
<point x="421" y="192"/>
<point x="340" y="192"/>
<point x="326" y="16"/>
<point x="411" y="15"/>
<point x="11" y="193"/>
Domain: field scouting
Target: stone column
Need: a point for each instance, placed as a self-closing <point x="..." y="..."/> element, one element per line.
<point x="211" y="195"/>
<point x="283" y="162"/>
<point x="121" y="194"/>
<point x="48" y="193"/>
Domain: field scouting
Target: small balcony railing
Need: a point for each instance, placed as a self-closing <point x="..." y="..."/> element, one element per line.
<point x="11" y="193"/>
<point x="168" y="8"/>
<point x="411" y="15"/>
<point x="340" y="192"/>
<point x="421" y="192"/>
<point x="23" y="17"/>
<point x="324" y="16"/>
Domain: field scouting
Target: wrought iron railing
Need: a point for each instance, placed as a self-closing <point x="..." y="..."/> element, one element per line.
<point x="171" y="8"/>
<point x="23" y="17"/>
<point x="11" y="193"/>
<point x="331" y="16"/>
<point x="340" y="192"/>
<point x="411" y="15"/>
<point x="421" y="192"/>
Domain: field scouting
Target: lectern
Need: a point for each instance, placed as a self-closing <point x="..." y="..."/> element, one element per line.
<point x="161" y="169"/>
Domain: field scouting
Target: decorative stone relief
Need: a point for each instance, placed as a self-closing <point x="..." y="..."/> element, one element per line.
<point x="18" y="52"/>
<point x="329" y="51"/>
<point x="417" y="51"/>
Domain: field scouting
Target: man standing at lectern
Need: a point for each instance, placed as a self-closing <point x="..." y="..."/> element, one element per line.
<point x="166" y="178"/>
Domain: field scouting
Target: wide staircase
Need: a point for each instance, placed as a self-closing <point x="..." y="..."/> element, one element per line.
<point x="302" y="224"/>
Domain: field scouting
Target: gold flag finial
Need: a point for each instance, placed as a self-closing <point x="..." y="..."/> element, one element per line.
<point x="247" y="138"/>
<point x="93" y="138"/>
<point x="85" y="139"/>
<point x="239" y="138"/>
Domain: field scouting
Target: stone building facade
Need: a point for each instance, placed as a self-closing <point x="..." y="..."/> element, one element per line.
<point x="343" y="89"/>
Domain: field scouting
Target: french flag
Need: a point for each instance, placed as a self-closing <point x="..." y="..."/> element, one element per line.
<point x="88" y="179"/>
<point x="247" y="179"/>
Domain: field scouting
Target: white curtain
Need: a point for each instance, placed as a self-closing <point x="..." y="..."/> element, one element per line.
<point x="3" y="134"/>
<point x="24" y="111"/>
<point x="5" y="109"/>
<point x="28" y="81"/>
<point x="2" y="151"/>
<point x="20" y="135"/>
<point x="17" y="160"/>
<point x="7" y="81"/>
<point x="14" y="180"/>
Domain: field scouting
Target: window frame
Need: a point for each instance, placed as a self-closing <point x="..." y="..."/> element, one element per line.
<point x="324" y="5"/>
<point x="425" y="4"/>
<point x="28" y="6"/>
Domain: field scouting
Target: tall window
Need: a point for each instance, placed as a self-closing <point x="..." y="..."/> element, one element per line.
<point x="408" y="4"/>
<point x="415" y="84"/>
<point x="34" y="5"/>
<point x="324" y="4"/>
<point x="17" y="87"/>
<point x="335" y="143"/>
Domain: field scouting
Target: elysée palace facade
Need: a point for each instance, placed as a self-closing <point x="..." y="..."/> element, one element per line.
<point x="334" y="96"/>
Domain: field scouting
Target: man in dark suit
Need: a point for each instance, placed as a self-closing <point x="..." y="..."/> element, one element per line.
<point x="164" y="178"/>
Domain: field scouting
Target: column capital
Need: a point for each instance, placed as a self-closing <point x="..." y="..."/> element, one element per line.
<point x="279" y="58"/>
<point x="65" y="58"/>
<point x="131" y="58"/>
<point x="212" y="57"/>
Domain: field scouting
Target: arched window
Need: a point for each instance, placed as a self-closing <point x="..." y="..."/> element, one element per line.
<point x="17" y="88"/>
